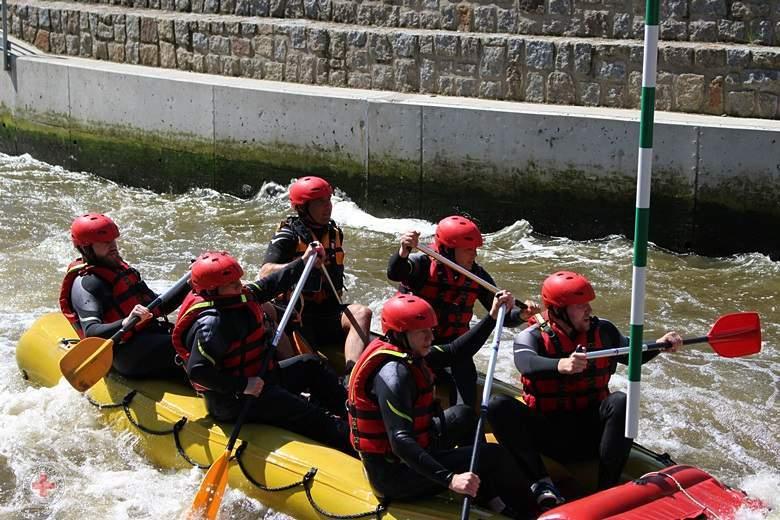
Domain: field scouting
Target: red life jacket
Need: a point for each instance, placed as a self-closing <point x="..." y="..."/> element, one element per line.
<point x="334" y="256"/>
<point x="551" y="391"/>
<point x="244" y="357"/>
<point x="127" y="289"/>
<point x="367" y="429"/>
<point x="452" y="297"/>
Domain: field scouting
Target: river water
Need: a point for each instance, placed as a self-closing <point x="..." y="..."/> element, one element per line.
<point x="717" y="413"/>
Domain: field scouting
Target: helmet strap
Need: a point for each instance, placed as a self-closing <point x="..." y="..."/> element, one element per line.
<point x="305" y="215"/>
<point x="88" y="254"/>
<point x="448" y="252"/>
<point x="398" y="339"/>
<point x="561" y="315"/>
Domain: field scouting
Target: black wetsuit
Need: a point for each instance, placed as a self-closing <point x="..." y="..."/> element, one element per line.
<point x="280" y="403"/>
<point x="596" y="432"/>
<point x="413" y="272"/>
<point x="149" y="353"/>
<point x="321" y="322"/>
<point x="416" y="472"/>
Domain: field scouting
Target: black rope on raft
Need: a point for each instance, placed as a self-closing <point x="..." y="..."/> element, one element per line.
<point x="306" y="482"/>
<point x="177" y="427"/>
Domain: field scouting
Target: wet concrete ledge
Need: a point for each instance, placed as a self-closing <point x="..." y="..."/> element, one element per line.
<point x="568" y="170"/>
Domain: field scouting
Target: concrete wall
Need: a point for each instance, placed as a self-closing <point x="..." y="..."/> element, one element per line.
<point x="570" y="172"/>
<point x="740" y="21"/>
<point x="715" y="79"/>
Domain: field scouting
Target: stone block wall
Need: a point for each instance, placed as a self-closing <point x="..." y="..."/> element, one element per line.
<point x="738" y="21"/>
<point x="713" y="79"/>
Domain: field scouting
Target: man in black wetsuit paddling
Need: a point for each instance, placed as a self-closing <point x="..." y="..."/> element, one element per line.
<point x="569" y="412"/>
<point x="222" y="334"/>
<point x="451" y="294"/>
<point x="101" y="292"/>
<point x="324" y="320"/>
<point x="407" y="445"/>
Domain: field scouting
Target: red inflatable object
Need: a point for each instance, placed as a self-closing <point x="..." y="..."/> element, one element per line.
<point x="657" y="496"/>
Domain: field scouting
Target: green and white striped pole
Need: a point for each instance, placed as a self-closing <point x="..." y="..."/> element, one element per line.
<point x="644" y="173"/>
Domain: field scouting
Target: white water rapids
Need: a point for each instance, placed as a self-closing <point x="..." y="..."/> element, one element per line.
<point x="716" y="413"/>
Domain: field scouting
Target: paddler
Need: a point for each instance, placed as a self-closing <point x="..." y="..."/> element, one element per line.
<point x="222" y="334"/>
<point x="569" y="412"/>
<point x="451" y="294"/>
<point x="325" y="321"/>
<point x="99" y="294"/>
<point x="409" y="448"/>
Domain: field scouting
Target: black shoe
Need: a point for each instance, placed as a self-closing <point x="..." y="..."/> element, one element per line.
<point x="546" y="495"/>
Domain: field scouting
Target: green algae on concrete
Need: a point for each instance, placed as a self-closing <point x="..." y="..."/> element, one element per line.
<point x="242" y="168"/>
<point x="568" y="202"/>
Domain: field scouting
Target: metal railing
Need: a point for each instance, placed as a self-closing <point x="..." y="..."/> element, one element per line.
<point x="6" y="43"/>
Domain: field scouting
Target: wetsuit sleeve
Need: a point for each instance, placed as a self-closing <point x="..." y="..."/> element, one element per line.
<point x="527" y="346"/>
<point x="611" y="337"/>
<point x="465" y="346"/>
<point x="207" y="347"/>
<point x="90" y="296"/>
<point x="394" y="388"/>
<point x="281" y="249"/>
<point x="411" y="271"/>
<point x="280" y="281"/>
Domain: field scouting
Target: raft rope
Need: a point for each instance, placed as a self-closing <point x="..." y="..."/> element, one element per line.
<point x="306" y="482"/>
<point x="681" y="488"/>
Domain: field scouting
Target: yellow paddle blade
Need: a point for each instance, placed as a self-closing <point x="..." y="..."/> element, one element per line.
<point x="87" y="362"/>
<point x="207" y="501"/>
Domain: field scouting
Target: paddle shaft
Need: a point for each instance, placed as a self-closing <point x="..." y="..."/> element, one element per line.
<point x="351" y="317"/>
<point x="622" y="351"/>
<point x="184" y="280"/>
<point x="274" y="342"/>
<point x="465" y="272"/>
<point x="486" y="390"/>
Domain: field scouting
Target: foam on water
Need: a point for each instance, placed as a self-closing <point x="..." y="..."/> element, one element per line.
<point x="717" y="413"/>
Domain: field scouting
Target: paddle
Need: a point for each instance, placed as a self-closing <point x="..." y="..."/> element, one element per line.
<point x="209" y="497"/>
<point x="733" y="335"/>
<point x="89" y="360"/>
<point x="465" y="272"/>
<point x="351" y="317"/>
<point x="478" y="438"/>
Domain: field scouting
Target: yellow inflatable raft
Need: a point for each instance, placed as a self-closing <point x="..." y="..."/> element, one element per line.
<point x="285" y="471"/>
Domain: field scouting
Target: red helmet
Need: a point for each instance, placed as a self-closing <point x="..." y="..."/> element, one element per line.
<point x="309" y="188"/>
<point x="458" y="231"/>
<point x="214" y="269"/>
<point x="405" y="312"/>
<point x="92" y="227"/>
<point x="566" y="288"/>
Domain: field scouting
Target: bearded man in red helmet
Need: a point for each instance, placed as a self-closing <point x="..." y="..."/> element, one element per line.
<point x="407" y="444"/>
<point x="451" y="294"/>
<point x="564" y="391"/>
<point x="101" y="292"/>
<point x="223" y="335"/>
<point x="324" y="320"/>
